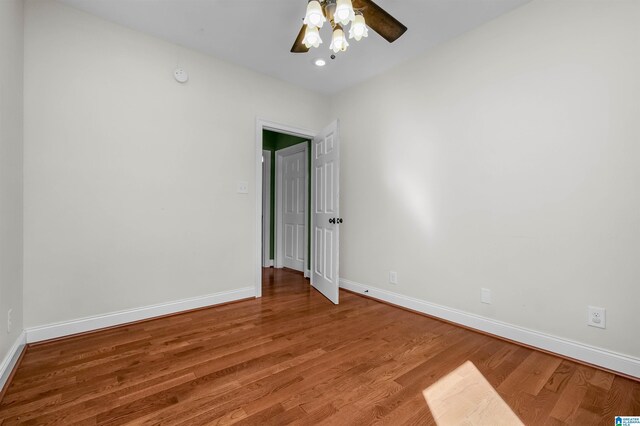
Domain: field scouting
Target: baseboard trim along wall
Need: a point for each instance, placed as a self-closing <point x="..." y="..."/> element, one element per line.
<point x="82" y="325"/>
<point x="609" y="360"/>
<point x="11" y="358"/>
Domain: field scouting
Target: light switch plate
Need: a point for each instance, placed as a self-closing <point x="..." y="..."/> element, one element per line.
<point x="485" y="295"/>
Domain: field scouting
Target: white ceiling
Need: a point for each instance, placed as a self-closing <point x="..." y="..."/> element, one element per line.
<point x="259" y="33"/>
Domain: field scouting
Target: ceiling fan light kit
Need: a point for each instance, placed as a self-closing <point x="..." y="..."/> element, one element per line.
<point x="338" y="40"/>
<point x="312" y="37"/>
<point x="315" y="16"/>
<point x="344" y="12"/>
<point x="358" y="28"/>
<point x="339" y="13"/>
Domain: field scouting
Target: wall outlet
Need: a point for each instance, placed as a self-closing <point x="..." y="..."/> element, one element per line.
<point x="243" y="187"/>
<point x="485" y="296"/>
<point x="9" y="320"/>
<point x="393" y="277"/>
<point x="596" y="317"/>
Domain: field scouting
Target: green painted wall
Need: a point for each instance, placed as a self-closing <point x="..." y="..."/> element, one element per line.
<point x="272" y="141"/>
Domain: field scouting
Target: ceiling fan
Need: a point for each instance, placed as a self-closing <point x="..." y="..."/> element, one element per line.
<point x="360" y="13"/>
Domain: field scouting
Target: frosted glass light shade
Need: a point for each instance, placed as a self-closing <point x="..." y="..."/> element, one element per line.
<point x="311" y="37"/>
<point x="314" y="16"/>
<point x="338" y="40"/>
<point x="358" y="28"/>
<point x="344" y="12"/>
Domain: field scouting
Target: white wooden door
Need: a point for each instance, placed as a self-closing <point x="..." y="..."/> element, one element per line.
<point x="325" y="212"/>
<point x="292" y="164"/>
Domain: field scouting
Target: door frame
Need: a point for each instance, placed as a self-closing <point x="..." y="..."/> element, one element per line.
<point x="263" y="124"/>
<point x="279" y="255"/>
<point x="266" y="209"/>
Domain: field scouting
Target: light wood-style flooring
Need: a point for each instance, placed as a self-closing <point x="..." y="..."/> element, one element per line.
<point x="292" y="357"/>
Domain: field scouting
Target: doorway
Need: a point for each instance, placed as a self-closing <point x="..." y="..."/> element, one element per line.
<point x="286" y="211"/>
<point x="320" y="239"/>
<point x="274" y="137"/>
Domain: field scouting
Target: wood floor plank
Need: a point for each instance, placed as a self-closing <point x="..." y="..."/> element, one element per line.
<point x="531" y="375"/>
<point x="560" y="378"/>
<point x="572" y="395"/>
<point x="292" y="357"/>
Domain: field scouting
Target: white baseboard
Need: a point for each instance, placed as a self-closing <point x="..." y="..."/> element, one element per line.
<point x="81" y="325"/>
<point x="268" y="264"/>
<point x="11" y="358"/>
<point x="569" y="348"/>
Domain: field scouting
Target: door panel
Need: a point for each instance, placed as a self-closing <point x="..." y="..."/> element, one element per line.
<point x="300" y="244"/>
<point x="325" y="186"/>
<point x="288" y="240"/>
<point x="319" y="252"/>
<point x="319" y="205"/>
<point x="329" y="198"/>
<point x="328" y="259"/>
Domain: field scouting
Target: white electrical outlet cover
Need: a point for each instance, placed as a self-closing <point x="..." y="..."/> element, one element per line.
<point x="596" y="317"/>
<point x="243" y="187"/>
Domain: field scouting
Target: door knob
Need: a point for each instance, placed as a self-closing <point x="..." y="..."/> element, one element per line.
<point x="339" y="220"/>
<point x="332" y="220"/>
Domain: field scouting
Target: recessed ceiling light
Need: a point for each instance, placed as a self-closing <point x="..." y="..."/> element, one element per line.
<point x="320" y="62"/>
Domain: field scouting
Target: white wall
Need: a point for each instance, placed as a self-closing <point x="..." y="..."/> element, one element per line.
<point x="130" y="177"/>
<point x="11" y="50"/>
<point x="509" y="158"/>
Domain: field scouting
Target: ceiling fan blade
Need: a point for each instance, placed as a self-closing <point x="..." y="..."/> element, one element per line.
<point x="379" y="20"/>
<point x="298" y="46"/>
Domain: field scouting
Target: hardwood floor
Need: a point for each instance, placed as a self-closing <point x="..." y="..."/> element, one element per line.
<point x="293" y="357"/>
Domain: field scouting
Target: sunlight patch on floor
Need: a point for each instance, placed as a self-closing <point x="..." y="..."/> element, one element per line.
<point x="465" y="397"/>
